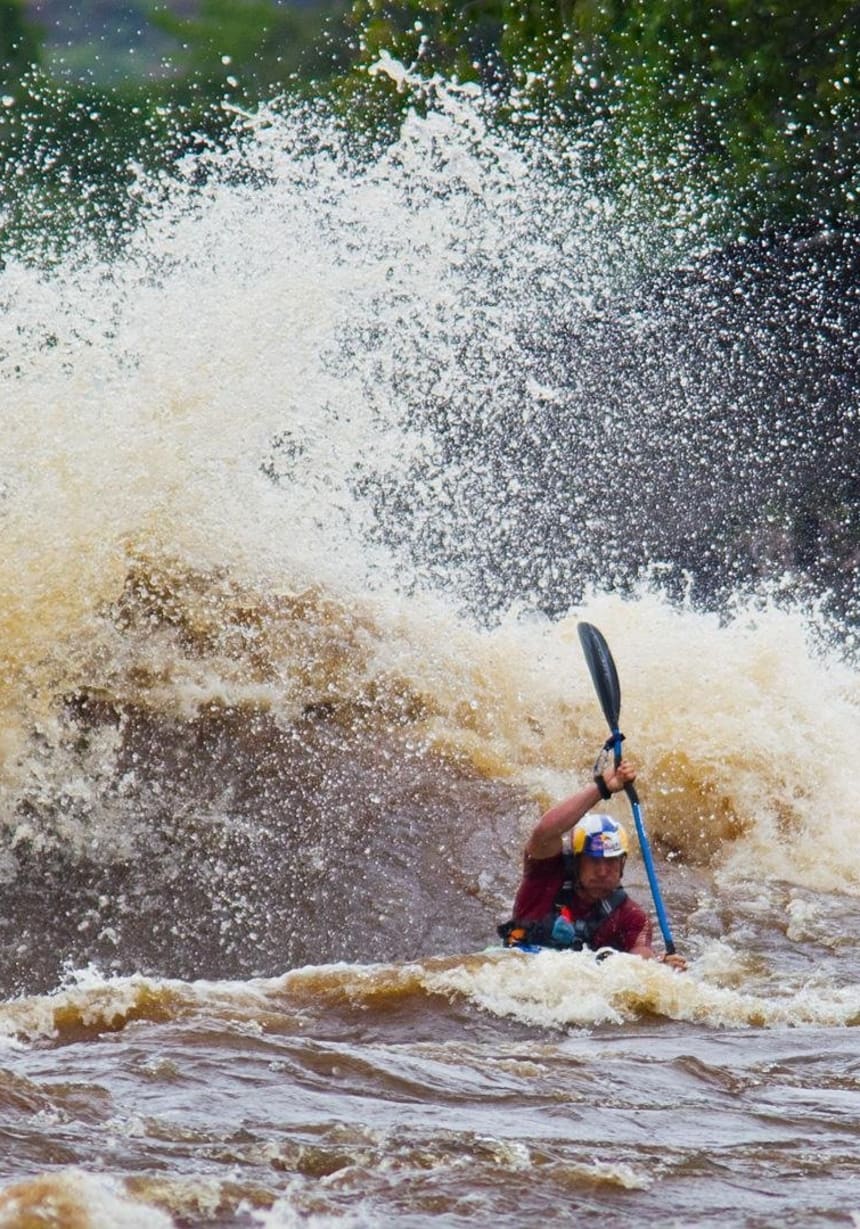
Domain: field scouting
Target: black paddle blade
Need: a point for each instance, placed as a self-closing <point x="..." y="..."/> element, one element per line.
<point x="603" y="672"/>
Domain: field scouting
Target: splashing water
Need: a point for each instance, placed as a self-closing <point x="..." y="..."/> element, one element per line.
<point x="341" y="438"/>
<point x="302" y="495"/>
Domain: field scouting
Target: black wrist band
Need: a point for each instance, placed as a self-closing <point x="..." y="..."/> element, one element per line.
<point x="602" y="788"/>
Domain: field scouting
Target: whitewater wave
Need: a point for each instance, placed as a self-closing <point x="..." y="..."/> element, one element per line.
<point x="548" y="991"/>
<point x="295" y="546"/>
<point x="76" y="1198"/>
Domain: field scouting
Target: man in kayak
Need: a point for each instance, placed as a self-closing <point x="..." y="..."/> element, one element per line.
<point x="574" y="898"/>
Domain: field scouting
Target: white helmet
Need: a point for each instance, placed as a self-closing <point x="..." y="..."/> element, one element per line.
<point x="599" y="836"/>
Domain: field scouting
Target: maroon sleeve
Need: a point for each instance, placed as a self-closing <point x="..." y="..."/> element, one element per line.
<point x="622" y="928"/>
<point x="542" y="877"/>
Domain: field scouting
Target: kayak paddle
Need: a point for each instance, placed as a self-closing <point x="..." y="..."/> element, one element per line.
<point x="605" y="679"/>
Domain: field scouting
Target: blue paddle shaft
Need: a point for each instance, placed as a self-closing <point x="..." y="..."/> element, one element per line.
<point x="630" y="791"/>
<point x="650" y="871"/>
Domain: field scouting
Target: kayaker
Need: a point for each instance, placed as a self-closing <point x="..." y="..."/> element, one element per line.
<point x="573" y="898"/>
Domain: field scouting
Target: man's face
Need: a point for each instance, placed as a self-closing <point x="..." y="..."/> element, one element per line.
<point x="598" y="876"/>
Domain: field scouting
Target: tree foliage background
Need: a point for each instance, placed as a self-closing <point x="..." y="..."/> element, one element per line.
<point x="754" y="102"/>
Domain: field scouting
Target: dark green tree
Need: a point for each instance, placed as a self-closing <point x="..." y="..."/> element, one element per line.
<point x="756" y="101"/>
<point x="760" y="98"/>
<point x="20" y="41"/>
<point x="250" y="48"/>
<point x="67" y="146"/>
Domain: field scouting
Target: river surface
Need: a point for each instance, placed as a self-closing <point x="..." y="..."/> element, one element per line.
<point x="303" y="494"/>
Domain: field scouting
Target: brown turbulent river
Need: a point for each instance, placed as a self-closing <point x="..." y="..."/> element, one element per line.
<point x="273" y="730"/>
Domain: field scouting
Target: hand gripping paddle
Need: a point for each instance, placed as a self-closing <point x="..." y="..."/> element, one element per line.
<point x="605" y="679"/>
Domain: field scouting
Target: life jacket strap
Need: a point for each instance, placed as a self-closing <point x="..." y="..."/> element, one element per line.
<point x="540" y="932"/>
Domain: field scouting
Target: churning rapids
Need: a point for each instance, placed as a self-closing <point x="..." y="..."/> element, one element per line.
<point x="301" y="497"/>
